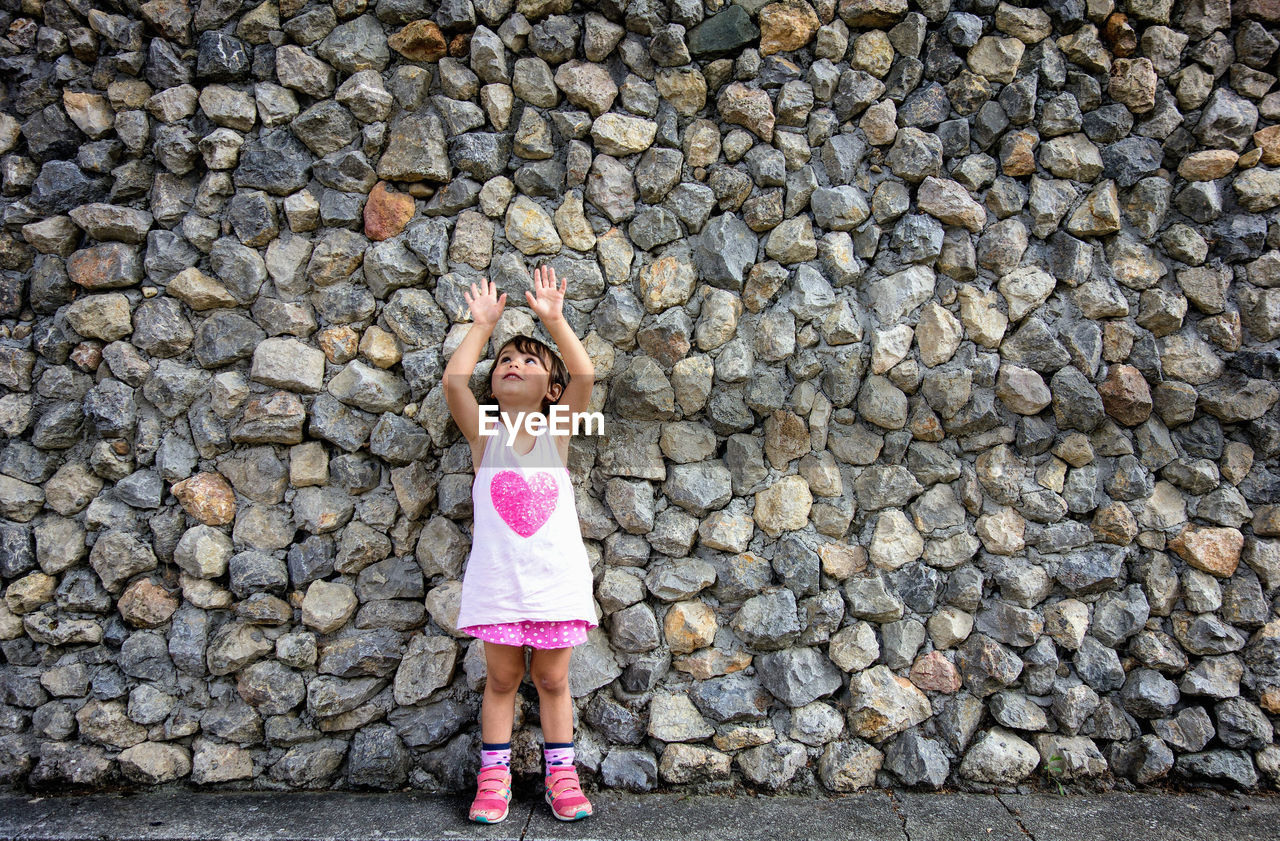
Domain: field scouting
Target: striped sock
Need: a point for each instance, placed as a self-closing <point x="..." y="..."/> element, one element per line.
<point x="498" y="753"/>
<point x="557" y="753"/>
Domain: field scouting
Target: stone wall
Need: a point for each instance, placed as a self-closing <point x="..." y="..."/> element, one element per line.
<point x="936" y="346"/>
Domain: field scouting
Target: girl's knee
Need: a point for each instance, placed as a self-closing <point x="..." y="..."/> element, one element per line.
<point x="551" y="681"/>
<point x="504" y="681"/>
<point x="503" y="684"/>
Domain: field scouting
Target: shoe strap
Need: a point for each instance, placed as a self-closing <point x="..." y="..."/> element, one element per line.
<point x="563" y="781"/>
<point x="494" y="779"/>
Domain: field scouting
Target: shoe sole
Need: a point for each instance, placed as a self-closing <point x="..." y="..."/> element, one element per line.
<point x="483" y="819"/>
<point x="579" y="816"/>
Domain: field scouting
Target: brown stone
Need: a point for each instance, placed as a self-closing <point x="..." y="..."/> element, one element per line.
<point x="786" y="26"/>
<point x="1266" y="521"/>
<point x="935" y="673"/>
<point x="271" y="419"/>
<point x="108" y="266"/>
<point x="1211" y="164"/>
<point x="1133" y="83"/>
<point x="707" y="663"/>
<point x="420" y="40"/>
<point x="1209" y="548"/>
<point x="926" y="426"/>
<point x="750" y="108"/>
<point x="1267" y="11"/>
<point x="689" y="626"/>
<point x="1114" y="523"/>
<point x="1268" y="140"/>
<point x="1119" y="35"/>
<point x="171" y="18"/>
<point x="786" y="437"/>
<point x="1126" y="395"/>
<point x="386" y="213"/>
<point x="339" y="344"/>
<point x="146" y="604"/>
<point x="840" y="560"/>
<point x="865" y="14"/>
<point x="87" y="355"/>
<point x="207" y="497"/>
<point x="1018" y="153"/>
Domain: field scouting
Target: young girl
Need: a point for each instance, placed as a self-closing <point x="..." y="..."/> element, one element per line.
<point x="528" y="579"/>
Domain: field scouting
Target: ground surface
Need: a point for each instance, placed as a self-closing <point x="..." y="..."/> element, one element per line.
<point x="876" y="815"/>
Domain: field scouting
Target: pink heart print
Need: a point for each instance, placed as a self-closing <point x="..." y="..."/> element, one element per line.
<point x="523" y="505"/>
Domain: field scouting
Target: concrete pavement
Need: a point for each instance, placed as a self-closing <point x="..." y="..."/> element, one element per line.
<point x="876" y="815"/>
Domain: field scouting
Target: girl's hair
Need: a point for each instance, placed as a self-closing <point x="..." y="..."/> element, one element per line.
<point x="528" y="344"/>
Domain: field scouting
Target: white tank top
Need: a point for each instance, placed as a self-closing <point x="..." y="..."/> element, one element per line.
<point x="527" y="557"/>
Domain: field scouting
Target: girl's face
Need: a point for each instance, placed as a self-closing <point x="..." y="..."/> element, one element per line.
<point x="521" y="380"/>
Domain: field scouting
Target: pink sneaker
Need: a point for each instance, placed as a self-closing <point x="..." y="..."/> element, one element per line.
<point x="564" y="794"/>
<point x="493" y="795"/>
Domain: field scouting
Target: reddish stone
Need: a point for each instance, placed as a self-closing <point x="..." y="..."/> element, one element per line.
<point x="420" y="40"/>
<point x="1018" y="153"/>
<point x="207" y="497"/>
<point x="1211" y="549"/>
<point x="1126" y="395"/>
<point x="146" y="604"/>
<point x="935" y="673"/>
<point x="1267" y="11"/>
<point x="1119" y="35"/>
<point x="925" y="425"/>
<point x="111" y="265"/>
<point x="87" y="355"/>
<point x="1115" y="524"/>
<point x="339" y="344"/>
<point x="460" y="45"/>
<point x="750" y="108"/>
<point x="386" y="213"/>
<point x="171" y="18"/>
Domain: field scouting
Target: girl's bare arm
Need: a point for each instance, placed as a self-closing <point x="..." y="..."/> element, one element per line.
<point x="486" y="307"/>
<point x="548" y="304"/>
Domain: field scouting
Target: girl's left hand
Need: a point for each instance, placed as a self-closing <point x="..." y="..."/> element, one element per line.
<point x="548" y="303"/>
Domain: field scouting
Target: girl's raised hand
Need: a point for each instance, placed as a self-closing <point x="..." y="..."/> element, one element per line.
<point x="486" y="305"/>
<point x="548" y="302"/>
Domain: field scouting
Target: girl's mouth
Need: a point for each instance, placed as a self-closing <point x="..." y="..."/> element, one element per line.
<point x="513" y="376"/>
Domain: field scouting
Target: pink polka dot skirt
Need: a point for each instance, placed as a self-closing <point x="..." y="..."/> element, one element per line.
<point x="533" y="634"/>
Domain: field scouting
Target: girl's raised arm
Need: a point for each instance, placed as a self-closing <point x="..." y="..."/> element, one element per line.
<point x="486" y="307"/>
<point x="547" y="301"/>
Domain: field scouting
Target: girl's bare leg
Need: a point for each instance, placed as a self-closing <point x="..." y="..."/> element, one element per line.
<point x="549" y="669"/>
<point x="504" y="665"/>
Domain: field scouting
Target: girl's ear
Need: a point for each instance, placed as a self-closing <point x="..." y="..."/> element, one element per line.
<point x="555" y="390"/>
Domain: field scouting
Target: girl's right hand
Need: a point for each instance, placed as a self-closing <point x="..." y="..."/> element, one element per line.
<point x="486" y="305"/>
